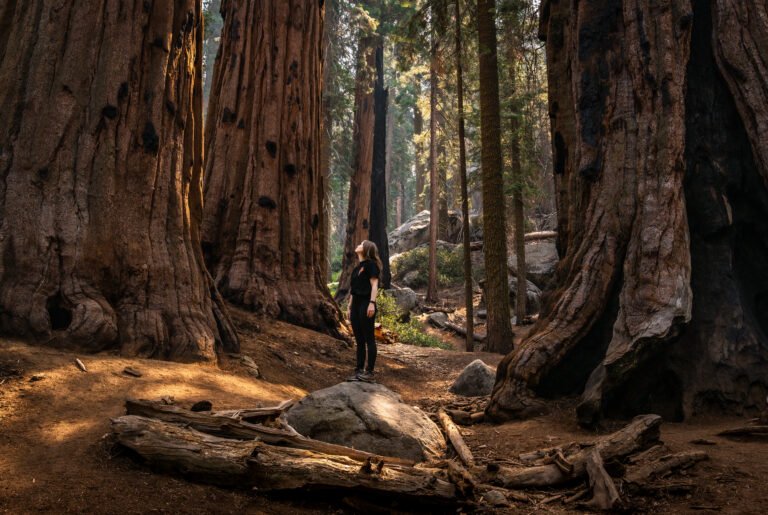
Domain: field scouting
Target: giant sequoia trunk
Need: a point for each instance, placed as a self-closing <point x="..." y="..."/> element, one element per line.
<point x="101" y="164"/>
<point x="659" y="112"/>
<point x="263" y="186"/>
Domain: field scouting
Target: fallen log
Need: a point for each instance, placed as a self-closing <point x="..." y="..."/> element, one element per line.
<point x="745" y="431"/>
<point x="466" y="418"/>
<point x="254" y="414"/>
<point x="540" y="235"/>
<point x="604" y="492"/>
<point x="219" y="461"/>
<point x="641" y="432"/>
<point x="463" y="332"/>
<point x="641" y="474"/>
<point x="227" y="427"/>
<point x="454" y="436"/>
<point x="228" y="462"/>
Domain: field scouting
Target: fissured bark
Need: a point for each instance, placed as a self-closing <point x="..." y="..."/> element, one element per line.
<point x="101" y="164"/>
<point x="658" y="113"/>
<point x="263" y="218"/>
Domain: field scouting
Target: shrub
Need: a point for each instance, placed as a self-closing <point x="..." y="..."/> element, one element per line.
<point x="450" y="266"/>
<point x="409" y="332"/>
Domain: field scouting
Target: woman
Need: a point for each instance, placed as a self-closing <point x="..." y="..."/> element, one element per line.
<point x="361" y="310"/>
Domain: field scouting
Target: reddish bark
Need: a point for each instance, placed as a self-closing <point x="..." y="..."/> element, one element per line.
<point x="263" y="185"/>
<point x="101" y="164"/>
<point x="661" y="180"/>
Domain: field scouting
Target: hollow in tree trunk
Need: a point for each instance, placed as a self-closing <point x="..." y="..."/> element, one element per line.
<point x="101" y="161"/>
<point x="263" y="191"/>
<point x="659" y="119"/>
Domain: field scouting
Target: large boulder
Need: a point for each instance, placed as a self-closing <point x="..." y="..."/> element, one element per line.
<point x="368" y="417"/>
<point x="540" y="261"/>
<point x="475" y="380"/>
<point x="533" y="295"/>
<point x="411" y="268"/>
<point x="405" y="298"/>
<point x="415" y="232"/>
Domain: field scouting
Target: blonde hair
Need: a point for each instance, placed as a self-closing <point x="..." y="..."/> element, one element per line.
<point x="371" y="251"/>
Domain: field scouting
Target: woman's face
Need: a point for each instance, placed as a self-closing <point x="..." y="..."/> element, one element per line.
<point x="359" y="250"/>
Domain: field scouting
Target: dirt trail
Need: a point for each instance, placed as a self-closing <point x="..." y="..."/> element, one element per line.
<point x="53" y="417"/>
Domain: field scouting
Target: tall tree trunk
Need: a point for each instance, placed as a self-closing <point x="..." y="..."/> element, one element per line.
<point x="468" y="290"/>
<point x="518" y="215"/>
<point x="440" y="21"/>
<point x="101" y="161"/>
<point x="659" y="147"/>
<point x="494" y="219"/>
<point x="359" y="203"/>
<point x="378" y="216"/>
<point x="330" y="27"/>
<point x="421" y="172"/>
<point x="400" y="203"/>
<point x="263" y="189"/>
<point x="434" y="187"/>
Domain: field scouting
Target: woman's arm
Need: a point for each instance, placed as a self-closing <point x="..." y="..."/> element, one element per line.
<point x="374" y="290"/>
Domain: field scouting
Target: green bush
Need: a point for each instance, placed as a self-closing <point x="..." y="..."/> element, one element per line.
<point x="409" y="332"/>
<point x="450" y="266"/>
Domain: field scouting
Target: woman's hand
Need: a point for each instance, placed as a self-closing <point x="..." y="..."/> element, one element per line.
<point x="371" y="310"/>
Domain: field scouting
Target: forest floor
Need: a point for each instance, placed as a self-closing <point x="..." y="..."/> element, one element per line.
<point x="54" y="457"/>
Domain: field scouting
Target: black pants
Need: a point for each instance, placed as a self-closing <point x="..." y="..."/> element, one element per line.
<point x="362" y="326"/>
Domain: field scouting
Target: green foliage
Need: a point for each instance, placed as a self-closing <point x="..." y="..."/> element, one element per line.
<point x="409" y="332"/>
<point x="450" y="266"/>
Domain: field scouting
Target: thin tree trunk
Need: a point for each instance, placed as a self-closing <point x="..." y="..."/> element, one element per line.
<point x="663" y="281"/>
<point x="264" y="191"/>
<point x="329" y="29"/>
<point x="468" y="290"/>
<point x="359" y="201"/>
<point x="418" y="128"/>
<point x="494" y="219"/>
<point x="518" y="215"/>
<point x="440" y="17"/>
<point x="434" y="187"/>
<point x="101" y="161"/>
<point x="378" y="216"/>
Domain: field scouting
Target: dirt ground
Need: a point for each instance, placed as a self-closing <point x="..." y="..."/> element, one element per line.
<point x="53" y="420"/>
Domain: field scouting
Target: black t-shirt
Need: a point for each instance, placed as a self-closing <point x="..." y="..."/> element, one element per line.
<point x="361" y="278"/>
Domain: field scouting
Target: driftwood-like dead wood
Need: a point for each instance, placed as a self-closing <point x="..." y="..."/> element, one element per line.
<point x="463" y="332"/>
<point x="544" y="456"/>
<point x="255" y="414"/>
<point x="604" y="492"/>
<point x="241" y="463"/>
<point x="215" y="460"/>
<point x="227" y="427"/>
<point x="641" y="432"/>
<point x="436" y="309"/>
<point x="663" y="466"/>
<point x="540" y="235"/>
<point x="746" y="431"/>
<point x="454" y="436"/>
<point x="462" y="479"/>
